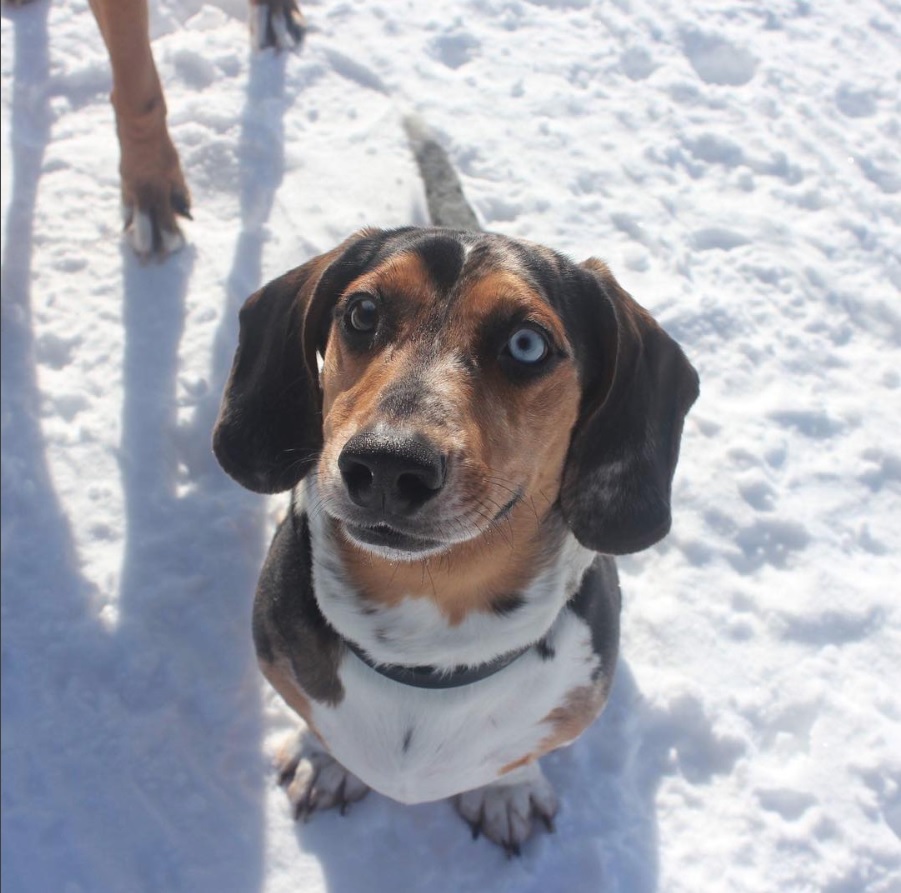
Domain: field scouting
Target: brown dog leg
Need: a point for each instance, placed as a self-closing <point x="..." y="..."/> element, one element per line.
<point x="153" y="187"/>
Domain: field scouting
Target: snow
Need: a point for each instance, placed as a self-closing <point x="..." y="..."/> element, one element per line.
<point x="736" y="165"/>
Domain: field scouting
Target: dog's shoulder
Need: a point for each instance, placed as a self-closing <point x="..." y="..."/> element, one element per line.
<point x="598" y="602"/>
<point x="287" y="623"/>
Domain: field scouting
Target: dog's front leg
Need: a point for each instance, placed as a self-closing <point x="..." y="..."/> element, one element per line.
<point x="153" y="187"/>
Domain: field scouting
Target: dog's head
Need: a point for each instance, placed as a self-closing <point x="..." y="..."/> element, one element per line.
<point x="465" y="377"/>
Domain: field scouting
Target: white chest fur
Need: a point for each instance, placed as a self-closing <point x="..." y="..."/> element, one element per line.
<point x="416" y="745"/>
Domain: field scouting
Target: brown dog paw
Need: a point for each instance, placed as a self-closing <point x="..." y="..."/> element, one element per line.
<point x="154" y="193"/>
<point x="276" y="23"/>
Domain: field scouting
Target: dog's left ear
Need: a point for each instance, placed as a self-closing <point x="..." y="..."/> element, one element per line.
<point x="269" y="431"/>
<point x="637" y="388"/>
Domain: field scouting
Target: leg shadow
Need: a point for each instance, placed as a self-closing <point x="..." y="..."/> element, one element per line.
<point x="187" y="649"/>
<point x="36" y="534"/>
<point x="611" y="775"/>
<point x="58" y="807"/>
<point x="194" y="546"/>
<point x="261" y="169"/>
<point x="192" y="714"/>
<point x="131" y="757"/>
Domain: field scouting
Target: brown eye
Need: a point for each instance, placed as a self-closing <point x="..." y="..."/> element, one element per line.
<point x="363" y="315"/>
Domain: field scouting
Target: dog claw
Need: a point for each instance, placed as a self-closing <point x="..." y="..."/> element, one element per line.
<point x="147" y="237"/>
<point x="181" y="204"/>
<point x="315" y="781"/>
<point x="505" y="811"/>
<point x="286" y="773"/>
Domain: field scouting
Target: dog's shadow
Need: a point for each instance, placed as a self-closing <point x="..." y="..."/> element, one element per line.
<point x="605" y="839"/>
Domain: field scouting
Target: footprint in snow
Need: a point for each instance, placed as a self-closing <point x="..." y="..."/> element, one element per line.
<point x="454" y="49"/>
<point x="717" y="60"/>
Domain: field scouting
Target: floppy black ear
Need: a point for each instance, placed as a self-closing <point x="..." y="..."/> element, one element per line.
<point x="269" y="431"/>
<point x="637" y="388"/>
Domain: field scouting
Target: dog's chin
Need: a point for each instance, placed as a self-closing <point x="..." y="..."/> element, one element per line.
<point x="392" y="544"/>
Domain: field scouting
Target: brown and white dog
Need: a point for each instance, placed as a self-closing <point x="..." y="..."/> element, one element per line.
<point x="491" y="423"/>
<point x="154" y="192"/>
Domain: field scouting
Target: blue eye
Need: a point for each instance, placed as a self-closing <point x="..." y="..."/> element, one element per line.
<point x="527" y="345"/>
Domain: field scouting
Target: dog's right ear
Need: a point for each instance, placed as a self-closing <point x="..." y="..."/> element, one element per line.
<point x="269" y="431"/>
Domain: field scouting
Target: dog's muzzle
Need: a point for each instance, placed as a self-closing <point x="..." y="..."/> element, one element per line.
<point x="390" y="477"/>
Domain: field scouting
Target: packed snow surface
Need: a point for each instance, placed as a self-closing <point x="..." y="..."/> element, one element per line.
<point x="739" y="167"/>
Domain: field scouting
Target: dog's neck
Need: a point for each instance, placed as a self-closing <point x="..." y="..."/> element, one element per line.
<point x="478" y="600"/>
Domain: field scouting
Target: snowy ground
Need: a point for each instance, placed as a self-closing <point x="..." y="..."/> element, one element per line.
<point x="738" y="168"/>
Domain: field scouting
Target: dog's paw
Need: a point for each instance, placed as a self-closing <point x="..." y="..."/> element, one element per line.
<point x="504" y="811"/>
<point x="276" y="23"/>
<point x="149" y="221"/>
<point x="315" y="780"/>
<point x="154" y="192"/>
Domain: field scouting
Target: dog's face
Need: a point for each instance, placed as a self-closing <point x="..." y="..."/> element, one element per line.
<point x="467" y="380"/>
<point x="449" y="394"/>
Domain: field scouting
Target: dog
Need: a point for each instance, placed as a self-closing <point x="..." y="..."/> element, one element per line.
<point x="154" y="192"/>
<point x="491" y="424"/>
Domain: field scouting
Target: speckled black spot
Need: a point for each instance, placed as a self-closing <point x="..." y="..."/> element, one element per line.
<point x="468" y="362"/>
<point x="409" y="397"/>
<point x="545" y="651"/>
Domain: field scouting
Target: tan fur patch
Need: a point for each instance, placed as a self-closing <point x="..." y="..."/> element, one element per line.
<point x="516" y="764"/>
<point x="468" y="577"/>
<point x="570" y="719"/>
<point x="504" y="287"/>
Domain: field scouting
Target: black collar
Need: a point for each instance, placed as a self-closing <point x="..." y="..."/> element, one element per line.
<point x="434" y="677"/>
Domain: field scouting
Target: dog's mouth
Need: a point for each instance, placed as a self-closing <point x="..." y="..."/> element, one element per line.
<point x="391" y="542"/>
<point x="384" y="538"/>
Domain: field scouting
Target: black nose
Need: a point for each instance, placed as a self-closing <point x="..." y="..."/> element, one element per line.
<point x="391" y="473"/>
